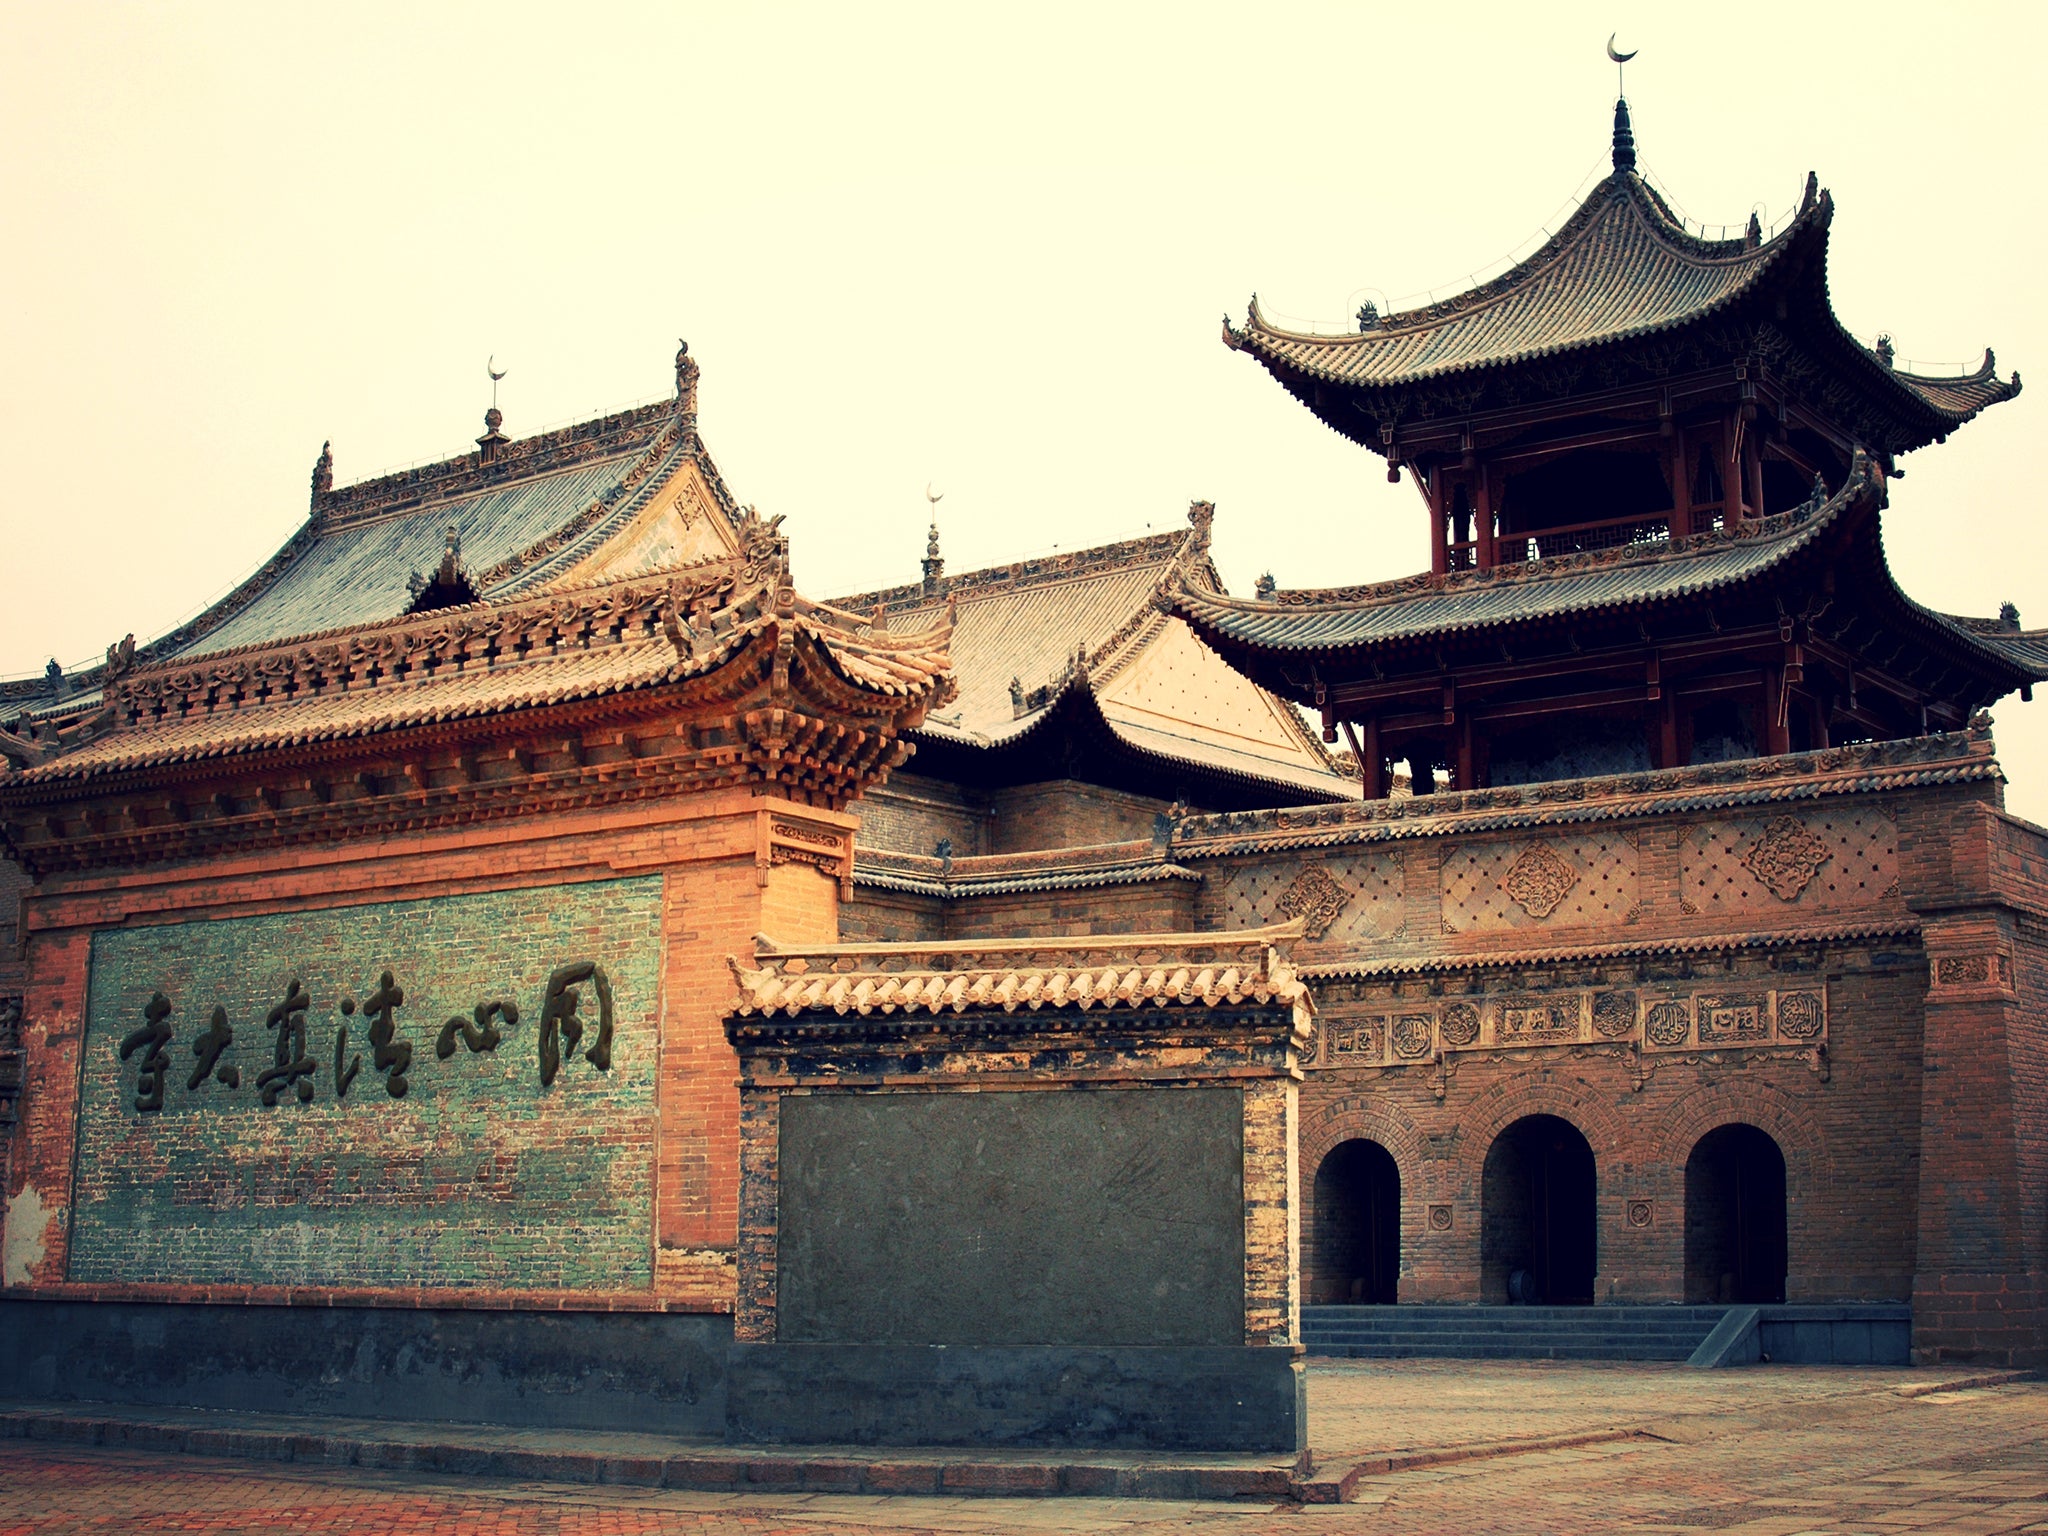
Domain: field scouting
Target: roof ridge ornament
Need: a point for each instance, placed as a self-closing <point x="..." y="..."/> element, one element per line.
<point x="934" y="563"/>
<point x="488" y="446"/>
<point x="1624" y="135"/>
<point x="323" y="471"/>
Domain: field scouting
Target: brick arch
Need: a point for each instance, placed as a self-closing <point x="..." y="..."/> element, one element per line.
<point x="1574" y="1099"/>
<point x="1349" y="1119"/>
<point x="1770" y="1109"/>
<point x="1355" y="1118"/>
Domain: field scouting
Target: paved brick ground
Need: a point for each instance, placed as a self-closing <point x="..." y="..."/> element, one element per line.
<point x="1774" y="1452"/>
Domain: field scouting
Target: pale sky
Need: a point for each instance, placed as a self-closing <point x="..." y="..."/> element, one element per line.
<point x="988" y="249"/>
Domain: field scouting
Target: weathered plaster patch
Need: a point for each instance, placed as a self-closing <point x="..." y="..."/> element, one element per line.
<point x="22" y="1248"/>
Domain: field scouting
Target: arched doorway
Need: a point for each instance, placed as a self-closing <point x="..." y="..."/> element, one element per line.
<point x="1355" y="1239"/>
<point x="1735" y="1217"/>
<point x="1538" y="1238"/>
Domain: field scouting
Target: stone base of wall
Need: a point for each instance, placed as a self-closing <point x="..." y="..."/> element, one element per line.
<point x="660" y="1373"/>
<point x="1171" y="1398"/>
<point x="1981" y="1319"/>
<point x="1849" y="1335"/>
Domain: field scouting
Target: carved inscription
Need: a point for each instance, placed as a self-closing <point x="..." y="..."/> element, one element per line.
<point x="1614" y="1014"/>
<point x="1729" y="1017"/>
<point x="1668" y="1023"/>
<point x="1411" y="1035"/>
<point x="1538" y="1018"/>
<point x="294" y="1071"/>
<point x="1354" y="1039"/>
<point x="1800" y="1015"/>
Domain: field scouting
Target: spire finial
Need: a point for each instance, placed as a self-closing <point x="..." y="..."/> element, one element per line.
<point x="934" y="566"/>
<point x="1624" y="136"/>
<point x="488" y="445"/>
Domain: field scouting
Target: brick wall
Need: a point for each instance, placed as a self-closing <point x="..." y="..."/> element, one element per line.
<point x="719" y="879"/>
<point x="458" y="1171"/>
<point x="1066" y="813"/>
<point x="1850" y="1139"/>
<point x="1913" y="1121"/>
<point x="913" y="814"/>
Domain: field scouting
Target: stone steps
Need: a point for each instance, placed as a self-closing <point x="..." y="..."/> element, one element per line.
<point x="1507" y="1333"/>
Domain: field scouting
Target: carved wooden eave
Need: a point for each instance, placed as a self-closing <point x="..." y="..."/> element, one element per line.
<point x="717" y="677"/>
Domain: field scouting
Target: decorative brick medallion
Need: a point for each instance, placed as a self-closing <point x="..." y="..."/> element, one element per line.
<point x="1641" y="1213"/>
<point x="1800" y="1015"/>
<point x="1439" y="1218"/>
<point x="1786" y="857"/>
<point x="1963" y="970"/>
<point x="1614" y="1014"/>
<point x="1315" y="898"/>
<point x="1411" y="1036"/>
<point x="1668" y="1023"/>
<point x="1460" y="1024"/>
<point x="1539" y="880"/>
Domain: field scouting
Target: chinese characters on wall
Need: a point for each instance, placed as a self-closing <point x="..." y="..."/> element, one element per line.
<point x="294" y="1070"/>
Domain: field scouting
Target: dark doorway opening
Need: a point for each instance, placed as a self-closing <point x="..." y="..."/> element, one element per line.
<point x="1538" y="1236"/>
<point x="1735" y="1218"/>
<point x="1355" y="1244"/>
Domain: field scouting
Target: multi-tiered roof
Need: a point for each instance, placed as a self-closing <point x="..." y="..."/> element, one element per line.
<point x="1652" y="466"/>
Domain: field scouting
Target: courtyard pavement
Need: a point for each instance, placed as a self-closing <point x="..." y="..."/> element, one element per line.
<point x="1465" y="1446"/>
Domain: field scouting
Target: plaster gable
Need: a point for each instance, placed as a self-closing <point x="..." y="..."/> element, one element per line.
<point x="1177" y="684"/>
<point x="680" y="526"/>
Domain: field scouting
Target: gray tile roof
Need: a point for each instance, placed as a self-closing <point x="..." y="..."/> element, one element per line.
<point x="1622" y="267"/>
<point x="357" y="574"/>
<point x="1029" y="620"/>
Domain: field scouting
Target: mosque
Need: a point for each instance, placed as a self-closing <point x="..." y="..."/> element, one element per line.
<point x="1639" y="866"/>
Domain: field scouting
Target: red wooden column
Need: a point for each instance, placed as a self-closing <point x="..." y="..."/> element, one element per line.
<point x="1439" y="530"/>
<point x="1731" y="472"/>
<point x="1777" y="734"/>
<point x="1482" y="497"/>
<point x="1681" y="488"/>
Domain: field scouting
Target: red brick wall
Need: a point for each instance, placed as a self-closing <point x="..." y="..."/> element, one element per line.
<point x="1850" y="1143"/>
<point x="912" y="814"/>
<point x="719" y="893"/>
<point x="1068" y="814"/>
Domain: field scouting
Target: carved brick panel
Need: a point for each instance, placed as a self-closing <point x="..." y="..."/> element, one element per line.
<point x="1975" y="973"/>
<point x="1589" y="878"/>
<point x="1396" y="1032"/>
<point x="1782" y="863"/>
<point x="1262" y="893"/>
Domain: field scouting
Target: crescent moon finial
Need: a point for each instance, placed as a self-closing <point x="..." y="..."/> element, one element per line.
<point x="934" y="500"/>
<point x="1619" y="58"/>
<point x="494" y="370"/>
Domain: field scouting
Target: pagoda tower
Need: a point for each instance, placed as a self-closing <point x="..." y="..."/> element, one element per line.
<point x="1653" y="467"/>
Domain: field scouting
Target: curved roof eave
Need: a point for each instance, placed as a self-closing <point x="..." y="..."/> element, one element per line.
<point x="1279" y="348"/>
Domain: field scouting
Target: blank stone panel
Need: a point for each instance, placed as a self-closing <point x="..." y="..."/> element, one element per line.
<point x="1112" y="1216"/>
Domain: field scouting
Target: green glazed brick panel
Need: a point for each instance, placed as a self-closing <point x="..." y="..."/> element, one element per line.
<point x="477" y="1176"/>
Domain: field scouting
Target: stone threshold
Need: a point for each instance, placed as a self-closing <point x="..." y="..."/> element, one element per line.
<point x="655" y="1461"/>
<point x="591" y="1456"/>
